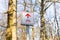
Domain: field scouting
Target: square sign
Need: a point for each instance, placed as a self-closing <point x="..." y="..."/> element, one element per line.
<point x="27" y="18"/>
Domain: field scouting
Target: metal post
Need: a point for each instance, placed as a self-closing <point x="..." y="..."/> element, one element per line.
<point x="27" y="29"/>
<point x="27" y="32"/>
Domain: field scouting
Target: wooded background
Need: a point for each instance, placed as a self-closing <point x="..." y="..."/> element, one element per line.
<point x="46" y="17"/>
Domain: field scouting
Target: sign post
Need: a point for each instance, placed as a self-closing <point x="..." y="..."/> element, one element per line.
<point x="27" y="20"/>
<point x="27" y="29"/>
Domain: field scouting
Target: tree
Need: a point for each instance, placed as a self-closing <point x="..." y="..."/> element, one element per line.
<point x="11" y="21"/>
<point x="42" y="31"/>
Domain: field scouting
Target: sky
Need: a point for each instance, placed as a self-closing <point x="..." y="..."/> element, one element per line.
<point x="3" y="5"/>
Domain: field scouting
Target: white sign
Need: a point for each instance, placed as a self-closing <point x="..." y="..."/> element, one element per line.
<point x="27" y="18"/>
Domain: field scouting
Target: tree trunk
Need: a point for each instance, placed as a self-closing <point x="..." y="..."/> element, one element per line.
<point x="42" y="31"/>
<point x="11" y="22"/>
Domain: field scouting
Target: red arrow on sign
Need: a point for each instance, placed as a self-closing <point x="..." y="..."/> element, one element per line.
<point x="28" y="15"/>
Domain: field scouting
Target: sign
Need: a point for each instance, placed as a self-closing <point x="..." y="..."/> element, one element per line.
<point x="27" y="18"/>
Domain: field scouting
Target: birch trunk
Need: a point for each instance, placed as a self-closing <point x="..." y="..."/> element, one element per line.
<point x="11" y="21"/>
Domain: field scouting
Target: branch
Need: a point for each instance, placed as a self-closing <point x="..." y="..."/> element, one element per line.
<point x="48" y="7"/>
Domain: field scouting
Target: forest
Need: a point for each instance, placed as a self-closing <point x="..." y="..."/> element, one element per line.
<point x="29" y="19"/>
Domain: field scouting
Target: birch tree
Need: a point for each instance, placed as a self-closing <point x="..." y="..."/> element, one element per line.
<point x="11" y="21"/>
